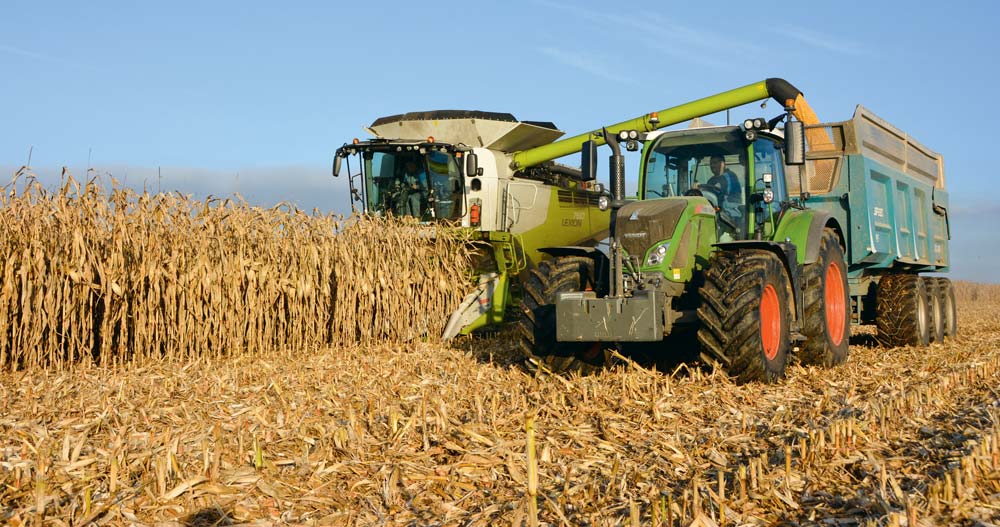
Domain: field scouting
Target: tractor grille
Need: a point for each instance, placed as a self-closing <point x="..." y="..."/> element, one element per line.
<point x="640" y="224"/>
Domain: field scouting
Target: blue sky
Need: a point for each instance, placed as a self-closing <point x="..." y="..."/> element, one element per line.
<point x="253" y="97"/>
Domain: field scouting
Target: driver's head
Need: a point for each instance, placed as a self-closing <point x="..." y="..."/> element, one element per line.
<point x="717" y="164"/>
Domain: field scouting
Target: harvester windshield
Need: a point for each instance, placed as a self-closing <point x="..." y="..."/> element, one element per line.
<point x="427" y="186"/>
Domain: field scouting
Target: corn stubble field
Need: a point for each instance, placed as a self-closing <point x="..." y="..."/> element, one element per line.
<point x="176" y="362"/>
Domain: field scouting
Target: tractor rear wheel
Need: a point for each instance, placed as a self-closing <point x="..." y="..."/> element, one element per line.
<point x="826" y="299"/>
<point x="902" y="315"/>
<point x="537" y="325"/>
<point x="936" y="309"/>
<point x="745" y="315"/>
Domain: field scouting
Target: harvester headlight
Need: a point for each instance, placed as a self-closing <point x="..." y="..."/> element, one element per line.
<point x="633" y="134"/>
<point x="656" y="255"/>
<point x="758" y="123"/>
<point x="603" y="202"/>
<point x="748" y="124"/>
<point x="623" y="135"/>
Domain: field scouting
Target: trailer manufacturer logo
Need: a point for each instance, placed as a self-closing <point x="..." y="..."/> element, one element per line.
<point x="572" y="222"/>
<point x="878" y="212"/>
<point x="634" y="216"/>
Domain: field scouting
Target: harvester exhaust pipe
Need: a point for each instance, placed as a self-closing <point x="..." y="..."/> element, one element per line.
<point x="617" y="172"/>
<point x="616" y="169"/>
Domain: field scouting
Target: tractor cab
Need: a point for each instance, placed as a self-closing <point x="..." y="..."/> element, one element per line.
<point x="738" y="173"/>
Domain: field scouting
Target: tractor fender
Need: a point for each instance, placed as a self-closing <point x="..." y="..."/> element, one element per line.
<point x="804" y="229"/>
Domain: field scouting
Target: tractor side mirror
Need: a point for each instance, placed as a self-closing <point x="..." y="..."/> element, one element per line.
<point x="472" y="165"/>
<point x="795" y="143"/>
<point x="336" y="165"/>
<point x="588" y="161"/>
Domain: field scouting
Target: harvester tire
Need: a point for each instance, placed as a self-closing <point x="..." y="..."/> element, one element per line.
<point x="902" y="315"/>
<point x="826" y="298"/>
<point x="744" y="315"/>
<point x="935" y="308"/>
<point x="946" y="295"/>
<point x="537" y="325"/>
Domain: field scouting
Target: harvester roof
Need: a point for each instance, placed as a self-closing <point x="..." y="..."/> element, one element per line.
<point x="493" y="130"/>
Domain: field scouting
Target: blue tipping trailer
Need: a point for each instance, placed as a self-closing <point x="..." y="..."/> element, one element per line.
<point x="887" y="192"/>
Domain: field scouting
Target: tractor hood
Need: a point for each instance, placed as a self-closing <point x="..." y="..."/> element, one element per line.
<point x="640" y="224"/>
<point x="496" y="131"/>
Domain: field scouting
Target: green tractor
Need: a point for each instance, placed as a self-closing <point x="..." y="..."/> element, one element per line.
<point x="727" y="253"/>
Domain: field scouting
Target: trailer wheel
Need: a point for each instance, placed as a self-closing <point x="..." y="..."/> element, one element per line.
<point x="537" y="325"/>
<point x="936" y="309"/>
<point x="745" y="315"/>
<point x="946" y="296"/>
<point x="902" y="315"/>
<point x="826" y="323"/>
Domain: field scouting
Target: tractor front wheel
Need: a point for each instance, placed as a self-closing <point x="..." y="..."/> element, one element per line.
<point x="745" y="315"/>
<point x="537" y="325"/>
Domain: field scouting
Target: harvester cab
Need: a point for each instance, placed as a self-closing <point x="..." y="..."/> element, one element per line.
<point x="454" y="168"/>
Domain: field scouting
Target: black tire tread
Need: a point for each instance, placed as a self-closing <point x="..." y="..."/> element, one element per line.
<point x="537" y="324"/>
<point x="817" y="349"/>
<point x="897" y="319"/>
<point x="729" y="333"/>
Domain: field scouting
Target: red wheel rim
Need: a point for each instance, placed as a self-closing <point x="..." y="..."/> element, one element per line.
<point x="836" y="306"/>
<point x="770" y="322"/>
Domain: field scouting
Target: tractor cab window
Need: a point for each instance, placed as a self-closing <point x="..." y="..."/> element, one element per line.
<point x="424" y="186"/>
<point x="710" y="165"/>
<point x="767" y="160"/>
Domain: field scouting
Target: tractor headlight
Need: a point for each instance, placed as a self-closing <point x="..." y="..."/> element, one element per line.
<point x="603" y="202"/>
<point x="768" y="195"/>
<point x="657" y="254"/>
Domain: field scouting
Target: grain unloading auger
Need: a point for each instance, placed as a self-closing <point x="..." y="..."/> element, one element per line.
<point x="495" y="175"/>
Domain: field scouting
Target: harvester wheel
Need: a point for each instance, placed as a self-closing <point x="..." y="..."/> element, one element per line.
<point x="902" y="315"/>
<point x="745" y="315"/>
<point x="935" y="308"/>
<point x="537" y="325"/>
<point x="826" y="299"/>
<point x="946" y="295"/>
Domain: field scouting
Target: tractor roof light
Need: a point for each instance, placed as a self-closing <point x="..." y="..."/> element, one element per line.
<point x="430" y="139"/>
<point x="355" y="141"/>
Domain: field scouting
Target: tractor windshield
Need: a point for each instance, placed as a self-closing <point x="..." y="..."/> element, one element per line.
<point x="426" y="186"/>
<point x="712" y="165"/>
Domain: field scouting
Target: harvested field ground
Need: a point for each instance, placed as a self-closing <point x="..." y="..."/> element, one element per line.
<point x="427" y="435"/>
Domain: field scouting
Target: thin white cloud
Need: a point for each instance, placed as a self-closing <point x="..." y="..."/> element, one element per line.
<point x="692" y="43"/>
<point x="30" y="54"/>
<point x="585" y="63"/>
<point x="821" y="41"/>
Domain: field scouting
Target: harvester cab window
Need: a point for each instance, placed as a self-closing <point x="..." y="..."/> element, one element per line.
<point x="424" y="186"/>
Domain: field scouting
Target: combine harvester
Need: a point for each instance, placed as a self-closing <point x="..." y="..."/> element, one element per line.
<point x="760" y="247"/>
